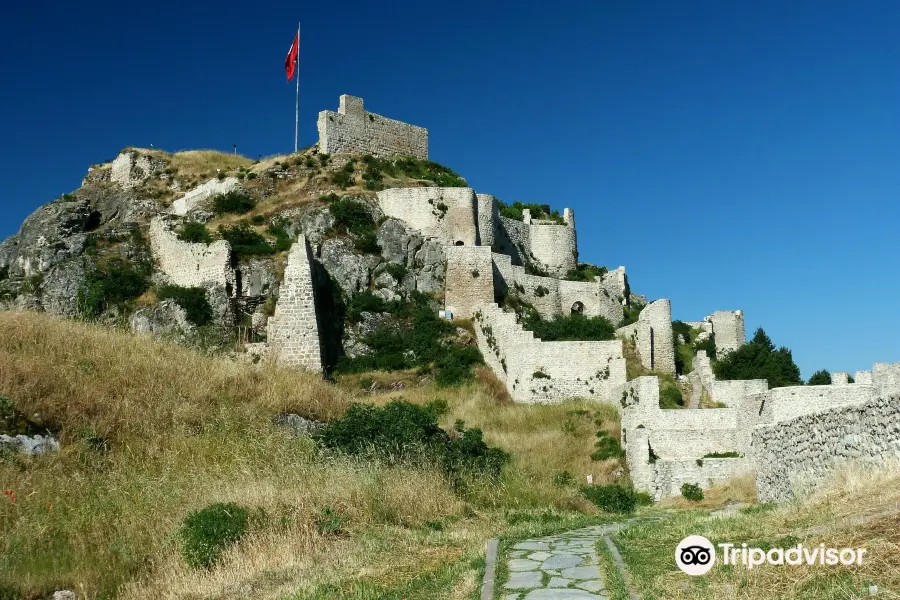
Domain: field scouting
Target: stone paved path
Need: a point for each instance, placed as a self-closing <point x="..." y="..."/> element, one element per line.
<point x="564" y="566"/>
<point x="696" y="389"/>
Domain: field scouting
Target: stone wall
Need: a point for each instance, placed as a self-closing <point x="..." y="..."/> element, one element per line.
<point x="552" y="297"/>
<point x="487" y="219"/>
<point x="554" y="247"/>
<point x="469" y="279"/>
<point x="293" y="332"/>
<point x="353" y="130"/>
<point x="538" y="371"/>
<point x="190" y="265"/>
<point x="788" y="403"/>
<point x="728" y="327"/>
<point x="886" y="378"/>
<point x="652" y="335"/>
<point x="196" y="196"/>
<point x="513" y="238"/>
<point x="447" y="214"/>
<point x="796" y="455"/>
<point x="130" y="169"/>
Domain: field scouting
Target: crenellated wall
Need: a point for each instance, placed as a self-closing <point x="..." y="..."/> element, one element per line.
<point x="293" y="332"/>
<point x="196" y="196"/>
<point x="353" y="130"/>
<point x="187" y="264"/>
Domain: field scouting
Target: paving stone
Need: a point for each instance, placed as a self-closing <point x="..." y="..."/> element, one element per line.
<point x="511" y="597"/>
<point x="591" y="572"/>
<point x="561" y="594"/>
<point x="523" y="564"/>
<point x="561" y="561"/>
<point x="558" y="582"/>
<point x="527" y="580"/>
<point x="592" y="586"/>
<point x="539" y="556"/>
<point x="531" y="545"/>
<point x="517" y="554"/>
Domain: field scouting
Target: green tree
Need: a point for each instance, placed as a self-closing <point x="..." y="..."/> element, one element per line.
<point x="822" y="377"/>
<point x="760" y="360"/>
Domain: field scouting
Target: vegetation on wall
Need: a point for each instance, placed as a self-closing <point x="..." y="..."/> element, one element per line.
<point x="194" y="233"/>
<point x="245" y="241"/>
<point x="631" y="312"/>
<point x="418" y="339"/>
<point x="572" y="327"/>
<point x="759" y="359"/>
<point x="414" y="168"/>
<point x="538" y="211"/>
<point x="235" y="201"/>
<point x="586" y="272"/>
<point x="112" y="283"/>
<point x="191" y="299"/>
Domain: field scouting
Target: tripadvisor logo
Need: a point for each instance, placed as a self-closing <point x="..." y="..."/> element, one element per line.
<point x="696" y="555"/>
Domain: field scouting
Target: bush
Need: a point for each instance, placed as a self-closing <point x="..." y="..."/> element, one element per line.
<point x="585" y="272"/>
<point x="208" y="532"/>
<point x="643" y="499"/>
<point x="709" y="345"/>
<point x="191" y="299"/>
<point x="692" y="492"/>
<point x="195" y="233"/>
<point x="538" y="211"/>
<point x="822" y="377"/>
<point x="611" y="498"/>
<point x="330" y="522"/>
<point x="351" y="216"/>
<point x="670" y="397"/>
<point x="630" y="313"/>
<point x="234" y="201"/>
<point x="572" y="327"/>
<point x="760" y="360"/>
<point x="607" y="447"/>
<point x="401" y="431"/>
<point x="113" y="283"/>
<point x="342" y="179"/>
<point x="245" y="241"/>
<point x="365" y="302"/>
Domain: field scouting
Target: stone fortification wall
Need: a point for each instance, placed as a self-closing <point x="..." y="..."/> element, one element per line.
<point x="864" y="377"/>
<point x="447" y="214"/>
<point x="190" y="265"/>
<point x="555" y="247"/>
<point x="513" y="238"/>
<point x="886" y="378"/>
<point x="728" y="327"/>
<point x="665" y="448"/>
<point x="839" y="378"/>
<point x="487" y="219"/>
<point x="353" y="130"/>
<point x="796" y="455"/>
<point x="196" y="196"/>
<point x="293" y="332"/>
<point x="652" y="335"/>
<point x="552" y="297"/>
<point x="469" y="279"/>
<point x="130" y="169"/>
<point x="787" y="403"/>
<point x="538" y="371"/>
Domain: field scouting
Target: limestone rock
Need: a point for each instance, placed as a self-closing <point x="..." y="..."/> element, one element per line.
<point x="355" y="332"/>
<point x="165" y="319"/>
<point x="301" y="426"/>
<point x="398" y="244"/>
<point x="314" y="223"/>
<point x="348" y="269"/>
<point x="258" y="277"/>
<point x="429" y="267"/>
<point x="33" y="445"/>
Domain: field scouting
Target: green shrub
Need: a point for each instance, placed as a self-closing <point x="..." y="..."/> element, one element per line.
<point x="310" y="162"/>
<point x="538" y="211"/>
<point x="258" y="219"/>
<point x="245" y="241"/>
<point x="402" y="431"/>
<point x="670" y="397"/>
<point x="367" y="243"/>
<point x="342" y="179"/>
<point x="251" y="176"/>
<point x="396" y="270"/>
<point x="630" y="313"/>
<point x="330" y="522"/>
<point x="822" y="377"/>
<point x="112" y="283"/>
<point x="759" y="359"/>
<point x="191" y="299"/>
<point x="572" y="327"/>
<point x="208" y="532"/>
<point x="563" y="478"/>
<point x="709" y="345"/>
<point x="324" y="158"/>
<point x="607" y="447"/>
<point x="365" y="302"/>
<point x="585" y="272"/>
<point x="611" y="498"/>
<point x="541" y="291"/>
<point x="235" y="201"/>
<point x="194" y="233"/>
<point x="279" y="229"/>
<point x="643" y="499"/>
<point x="692" y="492"/>
<point x="351" y="216"/>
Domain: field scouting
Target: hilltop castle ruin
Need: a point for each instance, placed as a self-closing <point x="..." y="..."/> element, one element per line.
<point x="787" y="436"/>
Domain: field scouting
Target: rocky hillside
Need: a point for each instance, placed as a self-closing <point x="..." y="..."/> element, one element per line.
<point x="87" y="253"/>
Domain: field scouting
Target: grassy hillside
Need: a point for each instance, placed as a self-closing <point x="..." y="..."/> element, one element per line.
<point x="152" y="431"/>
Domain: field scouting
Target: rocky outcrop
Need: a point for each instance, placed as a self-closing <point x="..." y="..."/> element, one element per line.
<point x="164" y="319"/>
<point x="29" y="444"/>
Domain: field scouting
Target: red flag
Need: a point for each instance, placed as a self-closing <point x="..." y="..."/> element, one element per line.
<point x="290" y="63"/>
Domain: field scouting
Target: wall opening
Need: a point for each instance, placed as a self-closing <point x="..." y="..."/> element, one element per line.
<point x="459" y="243"/>
<point x="578" y="308"/>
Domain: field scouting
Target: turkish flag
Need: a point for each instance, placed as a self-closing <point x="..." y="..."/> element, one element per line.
<point x="290" y="63"/>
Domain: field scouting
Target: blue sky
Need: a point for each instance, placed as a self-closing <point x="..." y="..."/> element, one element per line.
<point x="730" y="154"/>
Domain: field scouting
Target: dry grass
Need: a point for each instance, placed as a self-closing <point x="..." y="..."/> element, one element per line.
<point x="152" y="431"/>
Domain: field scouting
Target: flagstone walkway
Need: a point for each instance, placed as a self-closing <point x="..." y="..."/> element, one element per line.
<point x="564" y="566"/>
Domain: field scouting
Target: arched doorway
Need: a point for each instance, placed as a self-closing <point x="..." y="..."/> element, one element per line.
<point x="578" y="308"/>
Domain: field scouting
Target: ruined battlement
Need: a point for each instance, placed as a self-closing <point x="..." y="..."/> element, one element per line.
<point x="354" y="130"/>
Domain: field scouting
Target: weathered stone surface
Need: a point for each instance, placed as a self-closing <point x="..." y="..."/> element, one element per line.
<point x="300" y="426"/>
<point x="561" y="561"/>
<point x="354" y="333"/>
<point x="313" y="223"/>
<point x="561" y="594"/>
<point x="164" y="319"/>
<point x="589" y="572"/>
<point x="525" y="580"/>
<point x="348" y="269"/>
<point x="33" y="445"/>
<point x="353" y="130"/>
<point x="429" y="267"/>
<point x="398" y="244"/>
<point x="523" y="564"/>
<point x="257" y="277"/>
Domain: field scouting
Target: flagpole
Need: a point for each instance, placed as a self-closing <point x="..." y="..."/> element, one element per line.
<point x="297" y="106"/>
